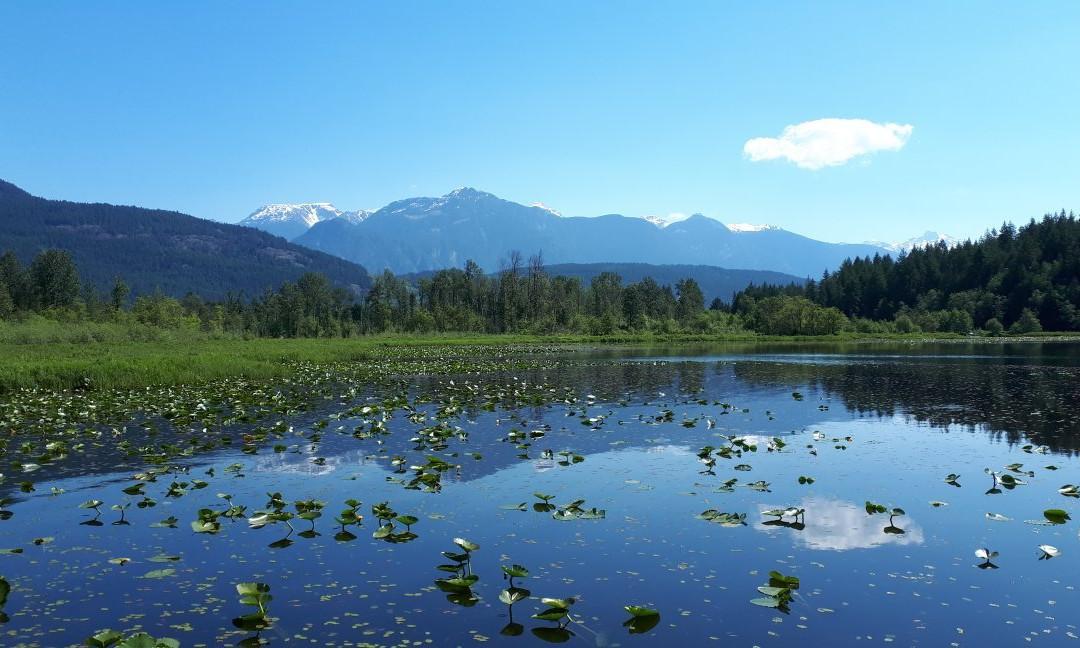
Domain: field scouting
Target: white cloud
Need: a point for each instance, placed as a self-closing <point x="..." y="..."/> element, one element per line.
<point x="828" y="142"/>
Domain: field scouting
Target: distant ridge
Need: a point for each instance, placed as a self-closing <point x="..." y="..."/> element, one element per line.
<point x="429" y="233"/>
<point x="151" y="249"/>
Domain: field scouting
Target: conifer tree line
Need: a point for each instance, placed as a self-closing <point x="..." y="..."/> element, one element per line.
<point x="1018" y="279"/>
<point x="1023" y="279"/>
<point x="518" y="298"/>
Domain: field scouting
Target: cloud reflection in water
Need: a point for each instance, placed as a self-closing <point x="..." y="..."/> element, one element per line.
<point x="838" y="525"/>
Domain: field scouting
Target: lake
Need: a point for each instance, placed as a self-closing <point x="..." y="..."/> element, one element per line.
<point x="671" y="479"/>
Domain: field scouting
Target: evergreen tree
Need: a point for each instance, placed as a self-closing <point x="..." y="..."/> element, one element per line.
<point x="119" y="293"/>
<point x="54" y="280"/>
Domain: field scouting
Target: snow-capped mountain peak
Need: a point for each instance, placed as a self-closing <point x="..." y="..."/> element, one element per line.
<point x="289" y="220"/>
<point x="747" y="227"/>
<point x="307" y="213"/>
<point x="664" y="221"/>
<point x="927" y="239"/>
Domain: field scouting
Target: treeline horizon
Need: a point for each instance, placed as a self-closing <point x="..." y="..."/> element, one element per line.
<point x="1022" y="280"/>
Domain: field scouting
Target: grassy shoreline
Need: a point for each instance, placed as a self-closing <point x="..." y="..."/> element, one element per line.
<point x="62" y="356"/>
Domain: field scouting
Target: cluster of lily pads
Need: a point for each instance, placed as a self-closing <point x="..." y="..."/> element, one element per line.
<point x="777" y="592"/>
<point x="267" y="419"/>
<point x="459" y="589"/>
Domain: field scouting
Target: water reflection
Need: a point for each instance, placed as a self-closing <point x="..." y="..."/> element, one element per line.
<point x="1017" y="403"/>
<point x="837" y="525"/>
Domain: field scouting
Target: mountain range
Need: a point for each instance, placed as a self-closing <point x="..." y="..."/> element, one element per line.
<point x="291" y="220"/>
<point x="928" y="238"/>
<point x="153" y="249"/>
<point x="422" y="234"/>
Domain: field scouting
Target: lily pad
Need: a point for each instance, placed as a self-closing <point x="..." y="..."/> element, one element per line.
<point x="639" y="611"/>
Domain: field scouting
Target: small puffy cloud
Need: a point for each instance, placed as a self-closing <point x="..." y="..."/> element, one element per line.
<point x="828" y="142"/>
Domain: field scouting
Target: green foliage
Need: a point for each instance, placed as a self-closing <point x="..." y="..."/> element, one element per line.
<point x="54" y="280"/>
<point x="1027" y="323"/>
<point x="112" y="638"/>
<point x="256" y="595"/>
<point x="1024" y="278"/>
<point x="788" y="315"/>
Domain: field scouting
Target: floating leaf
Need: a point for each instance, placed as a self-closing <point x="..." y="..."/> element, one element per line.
<point x="515" y="570"/>
<point x="1056" y="516"/>
<point x="512" y="595"/>
<point x="164" y="558"/>
<point x="104" y="639"/>
<point x="466" y="545"/>
<point x="561" y="604"/>
<point x="772" y="591"/>
<point x="638" y="611"/>
<point x="551" y="614"/>
<point x="768" y="601"/>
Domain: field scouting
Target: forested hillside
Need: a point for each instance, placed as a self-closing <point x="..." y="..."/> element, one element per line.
<point x="153" y="249"/>
<point x="1025" y="279"/>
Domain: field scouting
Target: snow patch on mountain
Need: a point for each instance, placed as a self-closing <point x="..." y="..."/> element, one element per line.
<point x="306" y="213"/>
<point x="747" y="227"/>
<point x="290" y="220"/>
<point x="927" y="239"/>
<point x="540" y="205"/>
<point x="665" y="221"/>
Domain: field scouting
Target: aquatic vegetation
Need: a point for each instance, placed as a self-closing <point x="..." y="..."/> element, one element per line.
<point x="1056" y="516"/>
<point x="114" y="639"/>
<point x="167" y="458"/>
<point x="459" y="587"/>
<point x="575" y="511"/>
<point x="558" y="610"/>
<point x="256" y="595"/>
<point x="986" y="556"/>
<point x="777" y="592"/>
<point x="642" y="619"/>
<point x="794" y="512"/>
<point x="349" y="516"/>
<point x="1048" y="552"/>
<point x="874" y="508"/>
<point x="512" y="595"/>
<point x="5" y="589"/>
<point x="722" y="518"/>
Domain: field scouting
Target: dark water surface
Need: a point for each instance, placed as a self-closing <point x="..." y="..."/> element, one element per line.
<point x="884" y="424"/>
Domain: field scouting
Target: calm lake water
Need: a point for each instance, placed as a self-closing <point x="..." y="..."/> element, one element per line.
<point x="639" y="429"/>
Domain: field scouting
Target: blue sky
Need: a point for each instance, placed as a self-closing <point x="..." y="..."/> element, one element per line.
<point x="214" y="109"/>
